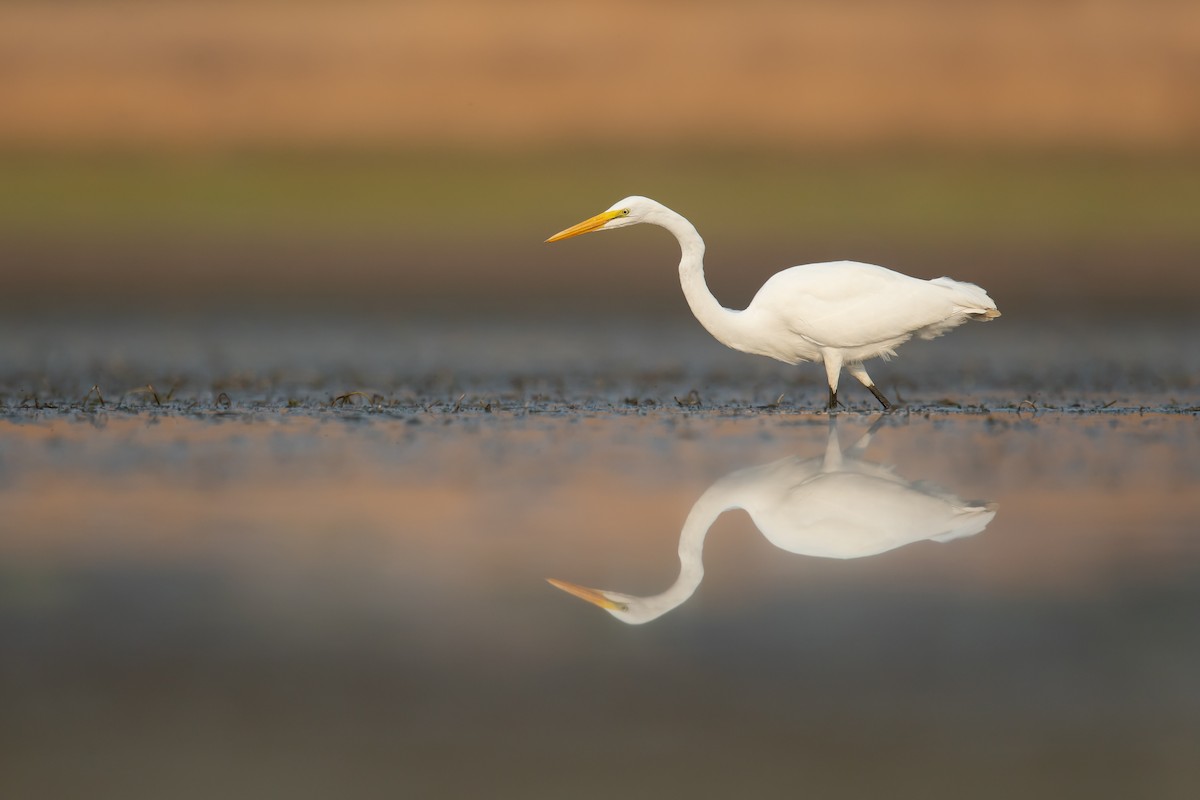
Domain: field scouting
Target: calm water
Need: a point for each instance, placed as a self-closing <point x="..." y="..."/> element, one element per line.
<point x="225" y="581"/>
<point x="279" y="603"/>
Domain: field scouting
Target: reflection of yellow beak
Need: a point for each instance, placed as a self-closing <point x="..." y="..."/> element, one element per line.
<point x="586" y="226"/>
<point x="593" y="596"/>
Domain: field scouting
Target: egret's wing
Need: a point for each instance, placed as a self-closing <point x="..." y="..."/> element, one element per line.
<point x="852" y="515"/>
<point x="850" y="304"/>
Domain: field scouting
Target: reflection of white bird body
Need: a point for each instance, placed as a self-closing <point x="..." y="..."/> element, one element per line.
<point x="839" y="313"/>
<point x="836" y="506"/>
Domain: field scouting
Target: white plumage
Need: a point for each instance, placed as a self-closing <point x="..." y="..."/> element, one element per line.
<point x="834" y="506"/>
<point x="839" y="313"/>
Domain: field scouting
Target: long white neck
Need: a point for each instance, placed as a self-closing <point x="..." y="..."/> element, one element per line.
<point x="721" y="322"/>
<point x="715" y="501"/>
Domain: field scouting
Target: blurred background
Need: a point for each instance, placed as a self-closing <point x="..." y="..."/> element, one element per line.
<point x="411" y="156"/>
<point x="389" y="410"/>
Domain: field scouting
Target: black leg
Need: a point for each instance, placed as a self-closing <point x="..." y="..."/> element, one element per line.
<point x="832" y="398"/>
<point x="879" y="396"/>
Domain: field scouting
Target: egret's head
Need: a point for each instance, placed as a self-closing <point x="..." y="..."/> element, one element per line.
<point x="628" y="608"/>
<point x="629" y="211"/>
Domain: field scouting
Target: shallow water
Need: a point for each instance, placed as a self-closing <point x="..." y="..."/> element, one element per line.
<point x="245" y="601"/>
<point x="266" y="556"/>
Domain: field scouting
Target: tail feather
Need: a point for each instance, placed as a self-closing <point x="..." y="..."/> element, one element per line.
<point x="972" y="299"/>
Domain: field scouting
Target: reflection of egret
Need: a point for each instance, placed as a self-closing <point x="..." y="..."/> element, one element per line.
<point x="837" y="313"/>
<point x="834" y="506"/>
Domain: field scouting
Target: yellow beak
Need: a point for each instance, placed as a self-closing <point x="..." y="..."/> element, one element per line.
<point x="586" y="226"/>
<point x="593" y="596"/>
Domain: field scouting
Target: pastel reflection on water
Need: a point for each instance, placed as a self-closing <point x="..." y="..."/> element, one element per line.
<point x="835" y="505"/>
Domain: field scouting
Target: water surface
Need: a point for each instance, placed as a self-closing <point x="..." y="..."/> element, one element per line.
<point x="329" y="601"/>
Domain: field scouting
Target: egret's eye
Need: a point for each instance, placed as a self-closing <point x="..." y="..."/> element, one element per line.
<point x="624" y="212"/>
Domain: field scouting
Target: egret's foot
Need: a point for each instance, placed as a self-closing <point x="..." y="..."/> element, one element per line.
<point x="883" y="401"/>
<point x="833" y="401"/>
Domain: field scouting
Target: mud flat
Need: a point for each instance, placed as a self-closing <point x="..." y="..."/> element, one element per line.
<point x="411" y="365"/>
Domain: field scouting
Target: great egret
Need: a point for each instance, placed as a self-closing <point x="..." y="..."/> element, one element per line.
<point x="840" y="313"/>
<point x="833" y="506"/>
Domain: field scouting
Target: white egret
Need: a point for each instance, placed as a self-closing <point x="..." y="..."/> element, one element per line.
<point x="840" y="313"/>
<point x="832" y="506"/>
